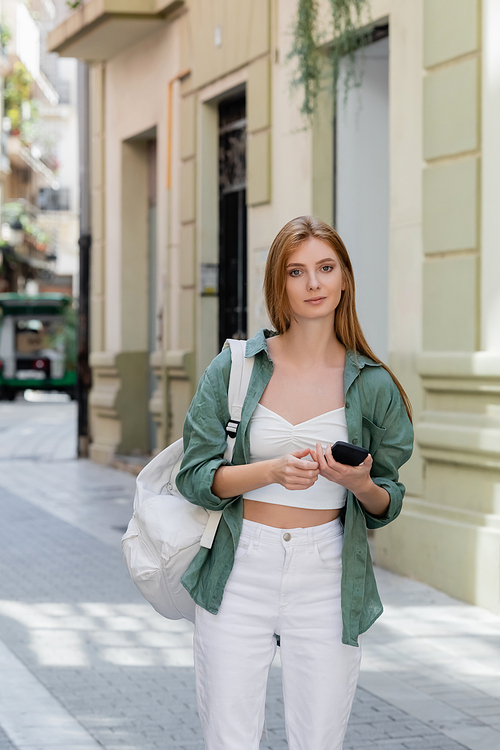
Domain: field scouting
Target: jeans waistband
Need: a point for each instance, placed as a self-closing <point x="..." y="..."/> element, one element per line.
<point x="299" y="535"/>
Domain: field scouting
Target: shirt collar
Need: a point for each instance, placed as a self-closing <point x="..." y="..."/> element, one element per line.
<point x="258" y="343"/>
<point x="360" y="360"/>
<point x="354" y="363"/>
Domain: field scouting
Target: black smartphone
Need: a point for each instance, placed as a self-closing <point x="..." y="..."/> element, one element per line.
<point x="347" y="453"/>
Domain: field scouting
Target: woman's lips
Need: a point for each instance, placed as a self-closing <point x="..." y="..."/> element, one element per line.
<point x="315" y="300"/>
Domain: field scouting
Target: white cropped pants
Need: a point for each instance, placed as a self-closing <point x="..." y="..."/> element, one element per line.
<point x="284" y="581"/>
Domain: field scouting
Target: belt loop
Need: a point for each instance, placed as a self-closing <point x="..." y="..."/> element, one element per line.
<point x="256" y="537"/>
<point x="310" y="539"/>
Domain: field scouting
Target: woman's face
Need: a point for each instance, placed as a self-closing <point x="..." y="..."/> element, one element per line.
<point x="314" y="280"/>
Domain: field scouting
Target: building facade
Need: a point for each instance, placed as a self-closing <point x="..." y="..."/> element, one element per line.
<point x="39" y="137"/>
<point x="200" y="155"/>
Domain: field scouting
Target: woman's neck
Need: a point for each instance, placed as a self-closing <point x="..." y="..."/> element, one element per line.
<point x="311" y="346"/>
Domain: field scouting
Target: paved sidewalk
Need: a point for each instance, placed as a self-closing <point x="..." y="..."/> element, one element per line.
<point x="43" y="429"/>
<point x="85" y="663"/>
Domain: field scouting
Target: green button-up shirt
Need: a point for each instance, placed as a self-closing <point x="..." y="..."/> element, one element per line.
<point x="376" y="419"/>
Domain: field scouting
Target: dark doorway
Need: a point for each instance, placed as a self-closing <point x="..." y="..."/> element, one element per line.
<point x="232" y="220"/>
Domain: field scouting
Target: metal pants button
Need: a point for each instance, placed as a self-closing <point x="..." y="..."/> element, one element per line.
<point x="287" y="537"/>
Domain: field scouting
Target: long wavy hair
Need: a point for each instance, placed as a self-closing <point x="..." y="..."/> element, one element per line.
<point x="347" y="328"/>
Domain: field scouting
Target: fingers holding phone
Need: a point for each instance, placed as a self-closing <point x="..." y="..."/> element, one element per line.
<point x="347" y="453"/>
<point x="352" y="477"/>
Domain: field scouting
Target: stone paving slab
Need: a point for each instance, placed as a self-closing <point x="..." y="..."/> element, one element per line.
<point x="73" y="620"/>
<point x="118" y="669"/>
<point x="5" y="743"/>
<point x="42" y="430"/>
<point x="93" y="498"/>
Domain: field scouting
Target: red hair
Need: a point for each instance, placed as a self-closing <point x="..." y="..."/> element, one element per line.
<point x="347" y="328"/>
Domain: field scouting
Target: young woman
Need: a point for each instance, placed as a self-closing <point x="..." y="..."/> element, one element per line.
<point x="290" y="558"/>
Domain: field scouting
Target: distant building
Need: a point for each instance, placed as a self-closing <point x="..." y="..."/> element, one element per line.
<point x="39" y="152"/>
<point x="199" y="156"/>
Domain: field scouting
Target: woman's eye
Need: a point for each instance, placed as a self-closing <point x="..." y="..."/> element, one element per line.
<point x="327" y="268"/>
<point x="294" y="272"/>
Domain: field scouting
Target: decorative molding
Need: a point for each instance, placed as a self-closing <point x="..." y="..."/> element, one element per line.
<point x="459" y="364"/>
<point x="106" y="384"/>
<point x="177" y="362"/>
<point x="454" y="515"/>
<point x="456" y="439"/>
<point x="117" y="404"/>
<point x="213" y="91"/>
<point x="468" y="438"/>
<point x="429" y="69"/>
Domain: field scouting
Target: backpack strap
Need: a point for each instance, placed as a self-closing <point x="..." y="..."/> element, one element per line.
<point x="239" y="379"/>
<point x="241" y="371"/>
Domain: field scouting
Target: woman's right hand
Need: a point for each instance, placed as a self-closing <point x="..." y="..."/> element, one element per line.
<point x="293" y="473"/>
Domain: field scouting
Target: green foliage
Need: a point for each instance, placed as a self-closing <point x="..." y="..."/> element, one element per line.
<point x="12" y="211"/>
<point x="73" y="3"/>
<point x="344" y="21"/>
<point x="306" y="49"/>
<point x="17" y="90"/>
<point x="22" y="111"/>
<point x="38" y="235"/>
<point x="15" y="211"/>
<point x="17" y="86"/>
<point x="5" y="36"/>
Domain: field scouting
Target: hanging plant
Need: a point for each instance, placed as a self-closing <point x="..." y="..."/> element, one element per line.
<point x="16" y="94"/>
<point x="309" y="49"/>
<point x="5" y="36"/>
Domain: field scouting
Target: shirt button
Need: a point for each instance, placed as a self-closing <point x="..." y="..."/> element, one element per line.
<point x="355" y="441"/>
<point x="347" y="405"/>
<point x="287" y="537"/>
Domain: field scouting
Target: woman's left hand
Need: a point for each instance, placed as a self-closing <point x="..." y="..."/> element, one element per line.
<point x="354" y="478"/>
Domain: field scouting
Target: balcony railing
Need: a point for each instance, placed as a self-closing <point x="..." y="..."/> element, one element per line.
<point x="20" y="156"/>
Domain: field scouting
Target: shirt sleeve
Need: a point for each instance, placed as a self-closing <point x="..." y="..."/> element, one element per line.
<point x="394" y="450"/>
<point x="204" y="445"/>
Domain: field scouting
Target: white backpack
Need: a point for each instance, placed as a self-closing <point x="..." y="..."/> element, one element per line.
<point x="166" y="530"/>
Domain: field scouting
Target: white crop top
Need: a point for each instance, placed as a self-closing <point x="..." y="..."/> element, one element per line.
<point x="271" y="436"/>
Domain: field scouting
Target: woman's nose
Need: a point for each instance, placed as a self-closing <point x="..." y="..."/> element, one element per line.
<point x="313" y="282"/>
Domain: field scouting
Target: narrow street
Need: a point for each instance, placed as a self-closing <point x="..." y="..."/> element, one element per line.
<point x="86" y="663"/>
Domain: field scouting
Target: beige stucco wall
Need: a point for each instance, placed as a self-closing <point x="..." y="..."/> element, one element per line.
<point x="302" y="163"/>
<point x="136" y="101"/>
<point x="298" y="165"/>
<point x="449" y="535"/>
<point x="133" y="91"/>
<point x="289" y="173"/>
<point x="444" y="303"/>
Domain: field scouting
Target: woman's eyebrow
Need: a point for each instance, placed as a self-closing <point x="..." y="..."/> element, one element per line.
<point x="301" y="265"/>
